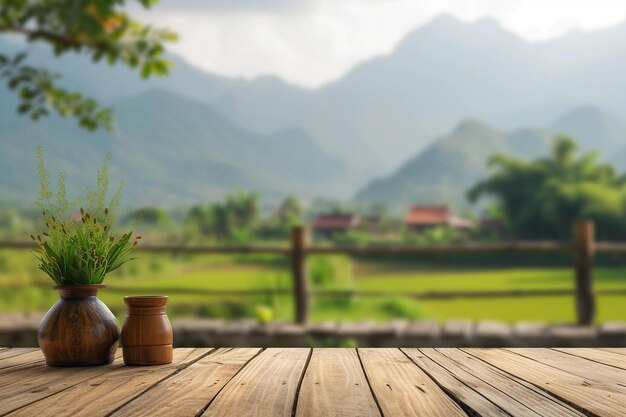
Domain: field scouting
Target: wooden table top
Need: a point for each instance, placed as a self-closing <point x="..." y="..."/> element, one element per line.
<point x="324" y="382"/>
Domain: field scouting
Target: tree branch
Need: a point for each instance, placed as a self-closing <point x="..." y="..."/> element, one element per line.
<point x="37" y="34"/>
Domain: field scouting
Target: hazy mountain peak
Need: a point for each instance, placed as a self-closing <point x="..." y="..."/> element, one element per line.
<point x="488" y="22"/>
<point x="592" y="127"/>
<point x="442" y="20"/>
<point x="586" y="112"/>
<point x="446" y="27"/>
<point x="579" y="36"/>
<point x="471" y="126"/>
<point x="447" y="21"/>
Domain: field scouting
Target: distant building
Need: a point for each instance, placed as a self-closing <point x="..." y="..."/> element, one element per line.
<point x="326" y="225"/>
<point x="422" y="217"/>
<point x="370" y="223"/>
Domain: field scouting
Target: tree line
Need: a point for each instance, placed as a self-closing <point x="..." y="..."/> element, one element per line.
<point x="530" y="199"/>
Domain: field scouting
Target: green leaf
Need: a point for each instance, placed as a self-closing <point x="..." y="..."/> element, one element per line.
<point x="24" y="108"/>
<point x="17" y="59"/>
<point x="146" y="69"/>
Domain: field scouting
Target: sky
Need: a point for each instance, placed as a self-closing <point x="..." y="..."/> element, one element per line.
<point x="313" y="42"/>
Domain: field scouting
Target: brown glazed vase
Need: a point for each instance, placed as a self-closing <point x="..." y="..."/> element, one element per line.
<point x="147" y="336"/>
<point x="79" y="329"/>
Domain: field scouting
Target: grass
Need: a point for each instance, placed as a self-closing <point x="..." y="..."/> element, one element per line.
<point x="24" y="288"/>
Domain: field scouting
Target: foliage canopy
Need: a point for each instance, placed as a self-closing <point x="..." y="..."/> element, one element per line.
<point x="233" y="219"/>
<point x="101" y="29"/>
<point x="542" y="198"/>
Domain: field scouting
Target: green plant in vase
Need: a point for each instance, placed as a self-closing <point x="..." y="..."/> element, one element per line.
<point x="77" y="249"/>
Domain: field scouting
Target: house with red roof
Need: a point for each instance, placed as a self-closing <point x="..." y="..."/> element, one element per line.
<point x="326" y="225"/>
<point x="421" y="217"/>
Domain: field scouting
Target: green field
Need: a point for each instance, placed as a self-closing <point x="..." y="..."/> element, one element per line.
<point x="23" y="288"/>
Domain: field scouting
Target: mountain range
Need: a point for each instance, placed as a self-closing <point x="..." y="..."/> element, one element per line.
<point x="192" y="135"/>
<point x="446" y="169"/>
<point x="170" y="150"/>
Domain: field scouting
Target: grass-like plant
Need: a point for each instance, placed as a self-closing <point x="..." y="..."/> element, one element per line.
<point x="77" y="245"/>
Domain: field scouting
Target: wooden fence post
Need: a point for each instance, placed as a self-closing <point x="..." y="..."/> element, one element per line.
<point x="298" y="270"/>
<point x="584" y="247"/>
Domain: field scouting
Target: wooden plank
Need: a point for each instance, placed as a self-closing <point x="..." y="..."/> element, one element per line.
<point x="29" y="370"/>
<point x="35" y="373"/>
<point x="535" y="246"/>
<point x="608" y="358"/>
<point x="587" y="396"/>
<point x="614" y="247"/>
<point x="521" y="246"/>
<point x="402" y="388"/>
<point x="190" y="391"/>
<point x="471" y="401"/>
<point x="104" y="393"/>
<point x="214" y="249"/>
<point x="9" y="353"/>
<point x="4" y="244"/>
<point x="576" y="365"/>
<point x="511" y="394"/>
<point x="266" y="387"/>
<point x="26" y="359"/>
<point x="447" y="295"/>
<point x="33" y="384"/>
<point x="200" y="291"/>
<point x="335" y="385"/>
<point x="619" y="351"/>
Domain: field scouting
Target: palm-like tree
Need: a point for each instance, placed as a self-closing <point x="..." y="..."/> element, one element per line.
<point x="543" y="197"/>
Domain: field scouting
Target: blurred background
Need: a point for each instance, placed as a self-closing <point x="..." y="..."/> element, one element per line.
<point x="370" y="124"/>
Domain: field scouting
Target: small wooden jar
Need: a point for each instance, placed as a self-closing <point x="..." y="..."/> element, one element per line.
<point x="147" y="337"/>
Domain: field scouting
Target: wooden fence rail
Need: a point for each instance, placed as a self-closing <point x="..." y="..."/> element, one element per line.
<point x="583" y="246"/>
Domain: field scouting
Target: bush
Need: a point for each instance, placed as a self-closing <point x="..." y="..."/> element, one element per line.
<point x="9" y="221"/>
<point x="403" y="308"/>
<point x="436" y="236"/>
<point x="156" y="265"/>
<point x="241" y="236"/>
<point x="321" y="272"/>
<point x="223" y="310"/>
<point x="351" y="238"/>
<point x="330" y="271"/>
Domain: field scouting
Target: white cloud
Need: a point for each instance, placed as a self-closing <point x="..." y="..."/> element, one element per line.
<point x="537" y="20"/>
<point x="319" y="40"/>
<point x="270" y="6"/>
